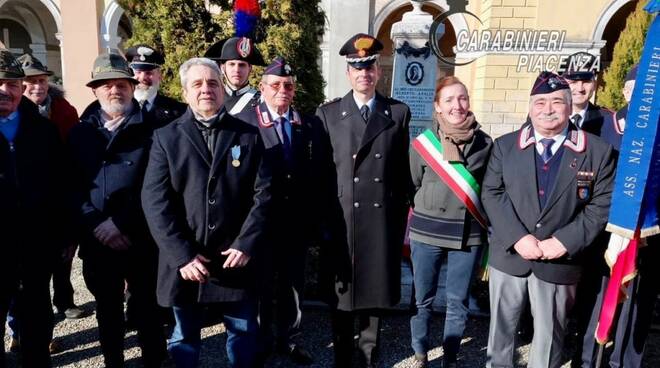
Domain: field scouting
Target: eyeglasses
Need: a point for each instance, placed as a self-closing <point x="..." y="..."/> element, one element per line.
<point x="288" y="86"/>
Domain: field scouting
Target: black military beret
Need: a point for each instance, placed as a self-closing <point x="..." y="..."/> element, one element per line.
<point x="143" y="57"/>
<point x="580" y="66"/>
<point x="279" y="67"/>
<point x="235" y="48"/>
<point x="10" y="68"/>
<point x="361" y="50"/>
<point x="548" y="82"/>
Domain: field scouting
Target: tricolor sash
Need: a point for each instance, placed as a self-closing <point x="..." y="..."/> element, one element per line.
<point x="454" y="174"/>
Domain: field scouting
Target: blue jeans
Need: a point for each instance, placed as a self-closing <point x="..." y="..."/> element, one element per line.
<point x="426" y="260"/>
<point x="240" y="319"/>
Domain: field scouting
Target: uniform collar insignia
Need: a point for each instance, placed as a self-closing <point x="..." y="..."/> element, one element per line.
<point x="526" y="137"/>
<point x="576" y="139"/>
<point x="264" y="117"/>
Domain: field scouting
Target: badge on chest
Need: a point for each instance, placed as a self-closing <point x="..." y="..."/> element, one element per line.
<point x="585" y="184"/>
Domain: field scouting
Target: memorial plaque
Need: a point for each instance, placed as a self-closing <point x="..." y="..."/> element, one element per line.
<point x="413" y="82"/>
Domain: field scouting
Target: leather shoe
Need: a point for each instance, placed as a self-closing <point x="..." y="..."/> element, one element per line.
<point x="298" y="355"/>
<point x="73" y="313"/>
<point x="14" y="345"/>
<point x="420" y="361"/>
<point x="54" y="347"/>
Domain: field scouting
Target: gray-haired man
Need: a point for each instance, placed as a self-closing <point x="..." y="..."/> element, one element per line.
<point x="205" y="196"/>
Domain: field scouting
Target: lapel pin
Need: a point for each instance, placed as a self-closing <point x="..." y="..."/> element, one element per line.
<point x="343" y="113"/>
<point x="574" y="163"/>
<point x="235" y="155"/>
<point x="387" y="112"/>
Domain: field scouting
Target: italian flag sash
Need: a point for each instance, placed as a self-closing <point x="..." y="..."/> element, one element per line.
<point x="454" y="174"/>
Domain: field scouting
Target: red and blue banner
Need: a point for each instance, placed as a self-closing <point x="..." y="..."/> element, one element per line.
<point x="634" y="210"/>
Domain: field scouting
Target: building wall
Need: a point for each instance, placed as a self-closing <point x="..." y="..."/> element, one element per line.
<point x="499" y="93"/>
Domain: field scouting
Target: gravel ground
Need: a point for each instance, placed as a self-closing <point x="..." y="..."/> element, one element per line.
<point x="78" y="338"/>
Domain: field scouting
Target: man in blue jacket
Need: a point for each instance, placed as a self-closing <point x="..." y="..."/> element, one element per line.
<point x="110" y="148"/>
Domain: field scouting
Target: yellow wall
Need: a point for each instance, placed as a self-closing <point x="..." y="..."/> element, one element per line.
<point x="80" y="46"/>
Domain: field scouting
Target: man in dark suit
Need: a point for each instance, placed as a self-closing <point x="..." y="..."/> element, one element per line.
<point x="368" y="200"/>
<point x="236" y="56"/>
<point x="110" y="149"/>
<point x="146" y="63"/>
<point x="581" y="77"/>
<point x="290" y="138"/>
<point x="32" y="213"/>
<point x="546" y="191"/>
<point x="206" y="195"/>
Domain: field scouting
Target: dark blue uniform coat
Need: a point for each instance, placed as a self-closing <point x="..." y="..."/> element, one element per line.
<point x="370" y="187"/>
<point x="510" y="198"/>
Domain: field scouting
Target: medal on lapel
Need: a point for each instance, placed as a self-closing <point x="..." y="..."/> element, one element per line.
<point x="235" y="155"/>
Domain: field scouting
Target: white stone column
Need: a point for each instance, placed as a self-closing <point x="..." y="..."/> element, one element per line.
<point x="345" y="18"/>
<point x="415" y="66"/>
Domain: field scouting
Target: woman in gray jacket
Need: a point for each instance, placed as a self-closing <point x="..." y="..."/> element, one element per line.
<point x="447" y="164"/>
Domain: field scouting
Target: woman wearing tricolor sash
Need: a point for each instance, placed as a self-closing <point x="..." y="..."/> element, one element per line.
<point x="447" y="164"/>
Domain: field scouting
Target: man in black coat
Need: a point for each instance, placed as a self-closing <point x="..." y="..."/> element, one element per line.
<point x="146" y="63"/>
<point x="368" y="199"/>
<point x="290" y="140"/>
<point x="581" y="77"/>
<point x="236" y="56"/>
<point x="546" y="191"/>
<point x="32" y="212"/>
<point x="206" y="195"/>
<point x="110" y="149"/>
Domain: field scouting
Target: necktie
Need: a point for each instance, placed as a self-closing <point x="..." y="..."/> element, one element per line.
<point x="547" y="149"/>
<point x="364" y="111"/>
<point x="285" y="127"/>
<point x="576" y="120"/>
<point x="144" y="106"/>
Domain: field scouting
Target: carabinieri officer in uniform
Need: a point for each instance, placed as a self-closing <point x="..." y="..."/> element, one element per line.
<point x="368" y="198"/>
<point x="236" y="56"/>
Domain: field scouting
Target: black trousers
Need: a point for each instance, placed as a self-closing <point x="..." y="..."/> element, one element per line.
<point x="634" y="317"/>
<point x="284" y="281"/>
<point x="62" y="288"/>
<point x="343" y="330"/>
<point x="105" y="275"/>
<point x="30" y="288"/>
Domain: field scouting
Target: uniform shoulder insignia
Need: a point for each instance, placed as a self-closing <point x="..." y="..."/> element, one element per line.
<point x="328" y="102"/>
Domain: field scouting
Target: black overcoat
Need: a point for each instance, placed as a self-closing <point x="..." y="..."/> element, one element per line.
<point x="370" y="188"/>
<point x="109" y="170"/>
<point x="34" y="220"/>
<point x="198" y="203"/>
<point x="294" y="207"/>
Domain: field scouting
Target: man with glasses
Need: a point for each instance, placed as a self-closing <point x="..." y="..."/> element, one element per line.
<point x="288" y="138"/>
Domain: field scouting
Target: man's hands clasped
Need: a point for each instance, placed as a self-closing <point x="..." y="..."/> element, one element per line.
<point x="530" y="248"/>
